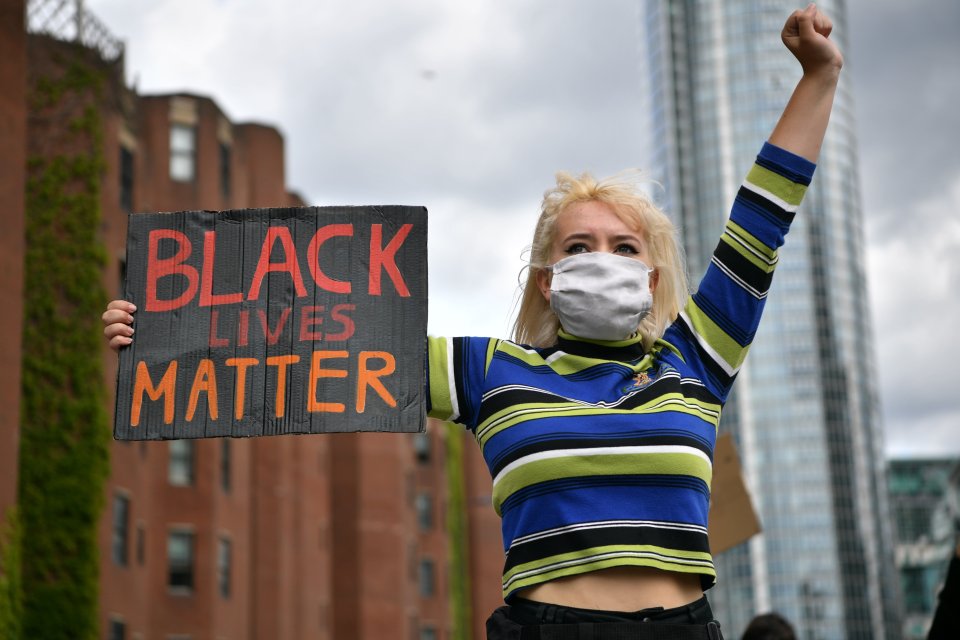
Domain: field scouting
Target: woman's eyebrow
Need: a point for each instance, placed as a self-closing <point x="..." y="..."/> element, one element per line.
<point x="578" y="235"/>
<point x="588" y="235"/>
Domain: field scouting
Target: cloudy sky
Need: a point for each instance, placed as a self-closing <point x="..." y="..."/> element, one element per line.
<point x="470" y="107"/>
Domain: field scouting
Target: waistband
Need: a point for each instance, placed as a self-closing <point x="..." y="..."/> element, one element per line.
<point x="622" y="631"/>
<point x="526" y="611"/>
<point x="531" y="620"/>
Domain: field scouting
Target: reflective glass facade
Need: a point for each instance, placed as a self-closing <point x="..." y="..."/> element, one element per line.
<point x="804" y="412"/>
<point x="925" y="502"/>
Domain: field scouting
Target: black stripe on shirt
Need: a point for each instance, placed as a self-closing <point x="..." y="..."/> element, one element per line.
<point x="506" y="399"/>
<point x="459" y="375"/>
<point x="781" y="170"/>
<point x="627" y="353"/>
<point x="736" y="262"/>
<point x="614" y="535"/>
<point x="755" y="202"/>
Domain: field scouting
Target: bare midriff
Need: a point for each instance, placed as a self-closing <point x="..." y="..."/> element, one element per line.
<point x="619" y="589"/>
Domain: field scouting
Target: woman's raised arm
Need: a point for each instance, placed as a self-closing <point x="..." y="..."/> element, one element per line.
<point x="803" y="123"/>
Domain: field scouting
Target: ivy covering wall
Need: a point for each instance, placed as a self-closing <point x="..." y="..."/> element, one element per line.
<point x="10" y="594"/>
<point x="65" y="428"/>
<point x="458" y="535"/>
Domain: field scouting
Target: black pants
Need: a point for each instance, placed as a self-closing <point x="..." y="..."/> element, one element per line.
<point x="529" y="620"/>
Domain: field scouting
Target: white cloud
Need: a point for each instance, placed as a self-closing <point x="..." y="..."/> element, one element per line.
<point x="476" y="257"/>
<point x="936" y="436"/>
<point x="914" y="281"/>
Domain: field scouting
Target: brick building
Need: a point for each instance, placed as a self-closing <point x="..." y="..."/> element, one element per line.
<point x="13" y="158"/>
<point x="339" y="536"/>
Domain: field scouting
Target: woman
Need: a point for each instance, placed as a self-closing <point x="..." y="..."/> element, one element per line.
<point x="598" y="422"/>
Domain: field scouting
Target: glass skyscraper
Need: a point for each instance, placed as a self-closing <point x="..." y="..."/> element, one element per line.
<point x="805" y="411"/>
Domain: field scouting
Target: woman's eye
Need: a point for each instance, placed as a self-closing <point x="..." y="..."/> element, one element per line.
<point x="626" y="248"/>
<point x="576" y="248"/>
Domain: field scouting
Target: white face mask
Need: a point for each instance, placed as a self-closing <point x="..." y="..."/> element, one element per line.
<point x="600" y="295"/>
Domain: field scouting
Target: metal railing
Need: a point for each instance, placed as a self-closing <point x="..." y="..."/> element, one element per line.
<point x="68" y="20"/>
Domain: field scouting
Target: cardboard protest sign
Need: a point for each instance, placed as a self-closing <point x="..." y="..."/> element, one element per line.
<point x="732" y="519"/>
<point x="275" y="321"/>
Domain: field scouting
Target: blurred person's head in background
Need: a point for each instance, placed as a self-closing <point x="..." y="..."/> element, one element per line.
<point x="769" y="626"/>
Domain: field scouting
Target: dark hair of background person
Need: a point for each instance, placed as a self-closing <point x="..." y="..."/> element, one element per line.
<point x="946" y="618"/>
<point x="769" y="626"/>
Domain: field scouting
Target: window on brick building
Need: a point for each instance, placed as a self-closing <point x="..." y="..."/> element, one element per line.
<point x="427" y="578"/>
<point x="180" y="467"/>
<point x="223" y="566"/>
<point x="126" y="179"/>
<point x="117" y="630"/>
<point x="180" y="560"/>
<point x="121" y="519"/>
<point x="421" y="446"/>
<point x="424" y="511"/>
<point x="225" y="464"/>
<point x="183" y="152"/>
<point x="428" y="632"/>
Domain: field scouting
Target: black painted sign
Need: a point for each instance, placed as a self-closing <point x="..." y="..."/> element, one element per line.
<point x="274" y="321"/>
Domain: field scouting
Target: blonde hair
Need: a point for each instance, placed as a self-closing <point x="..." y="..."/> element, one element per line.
<point x="536" y="322"/>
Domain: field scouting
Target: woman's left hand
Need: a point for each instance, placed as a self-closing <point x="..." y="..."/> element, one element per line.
<point x="807" y="35"/>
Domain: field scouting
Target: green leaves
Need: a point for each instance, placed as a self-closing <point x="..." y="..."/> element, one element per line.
<point x="65" y="428"/>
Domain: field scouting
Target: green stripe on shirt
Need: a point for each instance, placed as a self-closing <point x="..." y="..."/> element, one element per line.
<point x="790" y="192"/>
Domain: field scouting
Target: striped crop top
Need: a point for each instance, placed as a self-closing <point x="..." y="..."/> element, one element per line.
<point x="601" y="454"/>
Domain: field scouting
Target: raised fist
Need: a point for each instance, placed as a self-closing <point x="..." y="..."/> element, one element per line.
<point x="807" y="35"/>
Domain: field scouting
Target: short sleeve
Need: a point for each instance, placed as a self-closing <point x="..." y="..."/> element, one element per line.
<point x="456" y="371"/>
